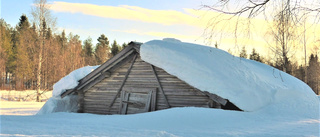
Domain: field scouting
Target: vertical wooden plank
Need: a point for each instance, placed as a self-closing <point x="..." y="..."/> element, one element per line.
<point x="160" y="87"/>
<point x="125" y="104"/>
<point x="80" y="102"/>
<point x="147" y="107"/>
<point x="154" y="100"/>
<point x="124" y="81"/>
<point x="121" y="101"/>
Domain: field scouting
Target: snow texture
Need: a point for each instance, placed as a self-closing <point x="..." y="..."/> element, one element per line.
<point x="279" y="104"/>
<point x="175" y="122"/>
<point x="68" y="103"/>
<point x="248" y="84"/>
<point x="71" y="80"/>
<point x="58" y="104"/>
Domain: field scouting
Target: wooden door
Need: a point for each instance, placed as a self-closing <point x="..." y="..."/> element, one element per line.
<point x="133" y="102"/>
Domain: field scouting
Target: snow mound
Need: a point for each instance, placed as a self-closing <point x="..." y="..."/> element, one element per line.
<point x="68" y="103"/>
<point x="58" y="104"/>
<point x="250" y="85"/>
<point x="71" y="80"/>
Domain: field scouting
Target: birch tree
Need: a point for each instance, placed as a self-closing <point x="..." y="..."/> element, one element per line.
<point x="43" y="19"/>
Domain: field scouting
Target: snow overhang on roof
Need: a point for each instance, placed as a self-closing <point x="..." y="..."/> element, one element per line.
<point x="248" y="84"/>
<point x="102" y="71"/>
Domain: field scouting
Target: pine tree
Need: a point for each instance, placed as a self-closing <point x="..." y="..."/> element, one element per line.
<point x="87" y="52"/>
<point x="114" y="48"/>
<point x="255" y="56"/>
<point x="5" y="49"/>
<point x="243" y="53"/>
<point x="124" y="45"/>
<point x="63" y="40"/>
<point x="313" y="73"/>
<point x="25" y="51"/>
<point x="102" y="51"/>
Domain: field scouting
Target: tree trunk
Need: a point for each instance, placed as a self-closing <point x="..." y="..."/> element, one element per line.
<point x="39" y="71"/>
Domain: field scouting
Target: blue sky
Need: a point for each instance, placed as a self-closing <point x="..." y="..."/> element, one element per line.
<point x="122" y="29"/>
<point x="144" y="20"/>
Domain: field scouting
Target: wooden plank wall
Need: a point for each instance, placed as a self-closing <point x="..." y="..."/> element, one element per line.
<point x="179" y="94"/>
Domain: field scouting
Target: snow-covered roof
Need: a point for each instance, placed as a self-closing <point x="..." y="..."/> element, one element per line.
<point x="248" y="84"/>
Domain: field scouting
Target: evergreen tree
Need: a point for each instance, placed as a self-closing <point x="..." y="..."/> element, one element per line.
<point x="313" y="73"/>
<point x="88" y="52"/>
<point x="12" y="52"/>
<point x="243" y="53"/>
<point x="124" y="45"/>
<point x="23" y="22"/>
<point x="6" y="51"/>
<point x="102" y="51"/>
<point x="114" y="48"/>
<point x="25" y="51"/>
<point x="255" y="56"/>
<point x="63" y="40"/>
<point x="300" y="73"/>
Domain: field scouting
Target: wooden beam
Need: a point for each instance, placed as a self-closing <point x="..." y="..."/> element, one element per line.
<point x="87" y="86"/>
<point x="133" y="47"/>
<point x="121" y="54"/>
<point x="159" y="85"/>
<point x="97" y="80"/>
<point x="124" y="81"/>
<point x="67" y="92"/>
<point x="104" y="70"/>
<point x="216" y="98"/>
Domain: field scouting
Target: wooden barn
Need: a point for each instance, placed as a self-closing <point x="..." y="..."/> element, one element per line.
<point x="125" y="84"/>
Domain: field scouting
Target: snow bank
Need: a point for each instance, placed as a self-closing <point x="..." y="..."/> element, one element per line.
<point x="68" y="103"/>
<point x="58" y="104"/>
<point x="248" y="84"/>
<point x="175" y="122"/>
<point x="71" y="80"/>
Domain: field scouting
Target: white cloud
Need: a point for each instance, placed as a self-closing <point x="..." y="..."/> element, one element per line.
<point x="164" y="17"/>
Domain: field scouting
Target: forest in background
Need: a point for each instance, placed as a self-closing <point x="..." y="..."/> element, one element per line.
<point x="61" y="54"/>
<point x="31" y="52"/>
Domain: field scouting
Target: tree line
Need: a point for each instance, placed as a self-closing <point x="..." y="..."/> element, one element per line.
<point x="310" y="73"/>
<point x="60" y="54"/>
<point x="288" y="24"/>
<point x="32" y="56"/>
<point x="63" y="53"/>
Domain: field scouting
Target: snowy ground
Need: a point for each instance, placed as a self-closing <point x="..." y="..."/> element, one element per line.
<point x="19" y="108"/>
<point x="171" y="122"/>
<point x="26" y="95"/>
<point x="274" y="103"/>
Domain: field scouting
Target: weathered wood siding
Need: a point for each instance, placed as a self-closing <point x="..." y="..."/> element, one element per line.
<point x="179" y="94"/>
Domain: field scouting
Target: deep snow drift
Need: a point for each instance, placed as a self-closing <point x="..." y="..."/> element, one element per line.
<point x="278" y="104"/>
<point x="69" y="103"/>
<point x="175" y="122"/>
<point x="248" y="84"/>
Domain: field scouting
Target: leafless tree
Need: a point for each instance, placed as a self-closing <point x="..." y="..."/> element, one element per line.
<point x="43" y="19"/>
<point x="244" y="10"/>
<point x="285" y="15"/>
<point x="284" y="35"/>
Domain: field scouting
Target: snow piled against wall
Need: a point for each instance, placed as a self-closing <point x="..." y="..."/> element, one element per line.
<point x="68" y="103"/>
<point x="71" y="80"/>
<point x="248" y="84"/>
